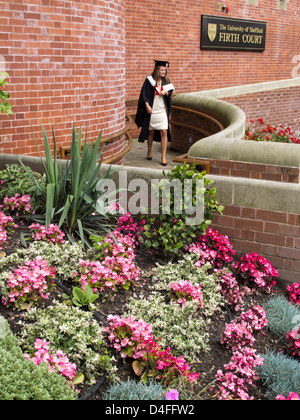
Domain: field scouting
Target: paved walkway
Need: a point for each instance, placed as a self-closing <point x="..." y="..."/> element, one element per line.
<point x="137" y="156"/>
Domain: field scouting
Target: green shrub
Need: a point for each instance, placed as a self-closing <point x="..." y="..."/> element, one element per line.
<point x="174" y="325"/>
<point x="16" y="180"/>
<point x="186" y="269"/>
<point x="184" y="329"/>
<point x="22" y="380"/>
<point x="73" y="331"/>
<point x="5" y="107"/>
<point x="177" y="225"/>
<point x="132" y="390"/>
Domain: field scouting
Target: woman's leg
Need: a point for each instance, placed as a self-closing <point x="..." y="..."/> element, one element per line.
<point x="164" y="145"/>
<point x="150" y="142"/>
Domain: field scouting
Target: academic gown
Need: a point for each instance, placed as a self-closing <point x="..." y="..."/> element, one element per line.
<point x="147" y="95"/>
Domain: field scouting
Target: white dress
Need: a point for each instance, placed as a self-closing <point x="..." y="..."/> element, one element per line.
<point x="159" y="118"/>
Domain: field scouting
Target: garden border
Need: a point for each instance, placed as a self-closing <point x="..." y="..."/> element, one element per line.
<point x="260" y="216"/>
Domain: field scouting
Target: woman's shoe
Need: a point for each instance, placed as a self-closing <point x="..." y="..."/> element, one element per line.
<point x="164" y="164"/>
<point x="149" y="158"/>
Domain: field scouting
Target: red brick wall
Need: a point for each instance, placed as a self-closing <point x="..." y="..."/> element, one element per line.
<point x="171" y="30"/>
<point x="66" y="63"/>
<point x="275" y="107"/>
<point x="274" y="235"/>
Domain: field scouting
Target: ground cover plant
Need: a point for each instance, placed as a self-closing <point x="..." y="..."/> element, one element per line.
<point x="196" y="325"/>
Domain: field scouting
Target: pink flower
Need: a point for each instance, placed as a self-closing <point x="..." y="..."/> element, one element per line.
<point x="172" y="394"/>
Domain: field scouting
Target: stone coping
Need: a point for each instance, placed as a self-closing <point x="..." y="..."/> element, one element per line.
<point x="228" y="92"/>
<point x="233" y="191"/>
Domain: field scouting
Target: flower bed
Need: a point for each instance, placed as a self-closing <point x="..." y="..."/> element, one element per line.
<point x="259" y="130"/>
<point x="195" y="324"/>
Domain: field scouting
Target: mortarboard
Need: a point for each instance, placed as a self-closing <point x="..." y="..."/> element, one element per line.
<point x="162" y="63"/>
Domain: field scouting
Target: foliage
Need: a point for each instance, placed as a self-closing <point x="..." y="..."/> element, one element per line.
<point x="132" y="390"/>
<point x="5" y="107"/>
<point x="177" y="224"/>
<point x="64" y="258"/>
<point x="134" y="339"/>
<point x="187" y="268"/>
<point x="282" y="316"/>
<point x="81" y="297"/>
<point x="258" y="130"/>
<point x="56" y="362"/>
<point x="175" y="326"/>
<point x="23" y="380"/>
<point x="75" y="333"/>
<point x="16" y="180"/>
<point x="71" y="194"/>
<point x="280" y="374"/>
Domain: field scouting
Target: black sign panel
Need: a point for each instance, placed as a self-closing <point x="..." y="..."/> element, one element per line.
<point x="223" y="33"/>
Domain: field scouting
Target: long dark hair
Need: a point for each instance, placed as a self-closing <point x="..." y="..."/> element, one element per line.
<point x="156" y="72"/>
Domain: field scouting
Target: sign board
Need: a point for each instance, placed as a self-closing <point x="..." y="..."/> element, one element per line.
<point x="224" y="33"/>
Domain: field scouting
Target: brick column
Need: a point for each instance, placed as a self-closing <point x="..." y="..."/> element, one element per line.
<point x="66" y="62"/>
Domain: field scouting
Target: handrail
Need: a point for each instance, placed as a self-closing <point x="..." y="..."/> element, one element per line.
<point x="65" y="150"/>
<point x="191" y="127"/>
<point x="199" y="113"/>
<point x="121" y="154"/>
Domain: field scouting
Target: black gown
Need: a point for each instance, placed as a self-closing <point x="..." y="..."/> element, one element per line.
<point x="142" y="118"/>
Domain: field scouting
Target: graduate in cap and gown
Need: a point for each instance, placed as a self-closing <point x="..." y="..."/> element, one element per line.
<point x="154" y="109"/>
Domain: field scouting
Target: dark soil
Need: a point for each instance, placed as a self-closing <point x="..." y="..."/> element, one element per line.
<point x="207" y="364"/>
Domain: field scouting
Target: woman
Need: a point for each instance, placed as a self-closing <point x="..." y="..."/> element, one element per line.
<point x="154" y="109"/>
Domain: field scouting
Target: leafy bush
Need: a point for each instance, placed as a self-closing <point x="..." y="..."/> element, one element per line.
<point x="132" y="390"/>
<point x="175" y="326"/>
<point x="16" y="180"/>
<point x="22" y="380"/>
<point x="5" y="106"/>
<point x="75" y="333"/>
<point x="186" y="269"/>
<point x="177" y="225"/>
<point x="65" y="259"/>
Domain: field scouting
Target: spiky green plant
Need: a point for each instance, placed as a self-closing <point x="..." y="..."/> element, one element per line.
<point x="71" y="190"/>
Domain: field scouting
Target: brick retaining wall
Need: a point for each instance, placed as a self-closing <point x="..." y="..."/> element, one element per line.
<point x="275" y="235"/>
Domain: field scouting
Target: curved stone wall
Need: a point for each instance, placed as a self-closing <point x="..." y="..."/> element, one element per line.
<point x="228" y="144"/>
<point x="66" y="62"/>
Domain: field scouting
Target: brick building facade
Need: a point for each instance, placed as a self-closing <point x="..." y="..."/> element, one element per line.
<point x="72" y="61"/>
